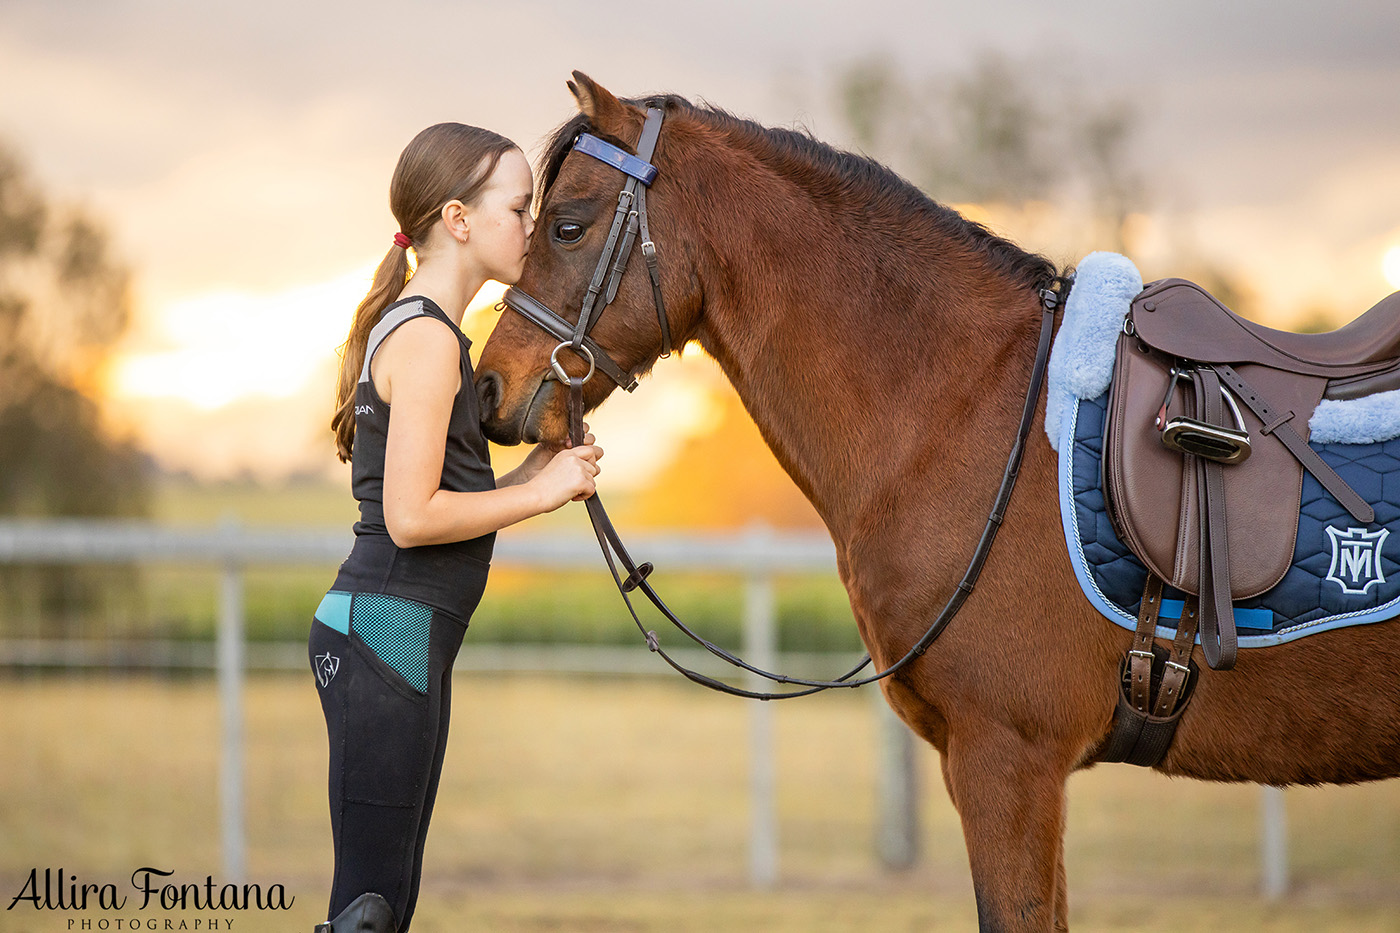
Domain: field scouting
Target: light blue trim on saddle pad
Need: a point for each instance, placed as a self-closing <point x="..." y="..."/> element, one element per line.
<point x="334" y="611"/>
<point x="1340" y="576"/>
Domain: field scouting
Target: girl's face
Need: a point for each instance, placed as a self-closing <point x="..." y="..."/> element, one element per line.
<point x="500" y="220"/>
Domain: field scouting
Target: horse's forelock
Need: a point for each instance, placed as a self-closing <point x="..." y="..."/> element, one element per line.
<point x="563" y="138"/>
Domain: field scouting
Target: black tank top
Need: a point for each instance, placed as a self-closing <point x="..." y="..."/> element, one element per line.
<point x="449" y="577"/>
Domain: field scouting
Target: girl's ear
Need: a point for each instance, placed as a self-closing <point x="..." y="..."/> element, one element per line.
<point x="457" y="219"/>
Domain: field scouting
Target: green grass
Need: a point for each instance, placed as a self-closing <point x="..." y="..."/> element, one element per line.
<point x="585" y="804"/>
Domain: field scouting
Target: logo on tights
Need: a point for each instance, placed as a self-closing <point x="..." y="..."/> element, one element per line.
<point x="326" y="666"/>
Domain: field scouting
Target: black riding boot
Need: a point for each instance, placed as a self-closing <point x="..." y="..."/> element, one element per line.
<point x="368" y="913"/>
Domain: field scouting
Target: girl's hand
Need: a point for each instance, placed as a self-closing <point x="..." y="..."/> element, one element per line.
<point x="543" y="453"/>
<point x="569" y="476"/>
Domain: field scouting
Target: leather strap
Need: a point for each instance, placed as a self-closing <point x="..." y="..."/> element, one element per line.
<point x="649" y="254"/>
<point x="1140" y="654"/>
<point x="536" y="313"/>
<point x="595" y="285"/>
<point x="1217" y="613"/>
<point x="637" y="166"/>
<point x="1178" y="667"/>
<point x="1277" y="424"/>
<point x="1139" y="737"/>
<point x="619" y="266"/>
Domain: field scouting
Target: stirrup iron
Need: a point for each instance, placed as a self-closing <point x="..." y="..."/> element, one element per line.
<point x="1200" y="438"/>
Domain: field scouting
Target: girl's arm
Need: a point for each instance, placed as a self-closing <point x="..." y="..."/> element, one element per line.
<point x="418" y="366"/>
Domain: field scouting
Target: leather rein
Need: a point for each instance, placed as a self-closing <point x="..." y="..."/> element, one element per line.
<point x="630" y="219"/>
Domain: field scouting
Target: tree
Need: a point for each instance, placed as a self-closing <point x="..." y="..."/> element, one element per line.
<point x="997" y="135"/>
<point x="64" y="301"/>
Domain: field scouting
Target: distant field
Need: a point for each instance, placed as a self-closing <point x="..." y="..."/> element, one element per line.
<point x="584" y="804"/>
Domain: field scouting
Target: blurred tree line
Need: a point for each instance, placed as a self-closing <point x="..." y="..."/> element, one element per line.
<point x="999" y="134"/>
<point x="64" y="302"/>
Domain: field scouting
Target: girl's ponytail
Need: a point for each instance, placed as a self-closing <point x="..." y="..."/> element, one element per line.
<point x="445" y="162"/>
<point x="389" y="280"/>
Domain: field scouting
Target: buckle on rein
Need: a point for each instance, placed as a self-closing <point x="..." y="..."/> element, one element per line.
<point x="1201" y="438"/>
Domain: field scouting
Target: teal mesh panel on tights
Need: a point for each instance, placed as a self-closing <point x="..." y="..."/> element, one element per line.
<point x="398" y="631"/>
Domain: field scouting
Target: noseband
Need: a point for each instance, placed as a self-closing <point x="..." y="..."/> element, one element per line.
<point x="629" y="219"/>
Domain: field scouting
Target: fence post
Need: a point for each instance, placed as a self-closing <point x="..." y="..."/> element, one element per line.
<point x="230" y="664"/>
<point x="897" y="789"/>
<point x="1273" y="843"/>
<point x="759" y="641"/>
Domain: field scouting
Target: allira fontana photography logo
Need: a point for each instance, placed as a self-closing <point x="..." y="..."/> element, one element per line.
<point x="149" y="902"/>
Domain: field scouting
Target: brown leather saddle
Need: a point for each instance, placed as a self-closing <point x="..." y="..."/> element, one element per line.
<point x="1207" y="441"/>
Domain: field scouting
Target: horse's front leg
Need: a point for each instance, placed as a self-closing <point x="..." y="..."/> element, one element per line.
<point x="1010" y="796"/>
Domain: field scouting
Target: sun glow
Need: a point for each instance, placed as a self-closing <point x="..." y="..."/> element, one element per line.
<point x="216" y="349"/>
<point x="1390" y="267"/>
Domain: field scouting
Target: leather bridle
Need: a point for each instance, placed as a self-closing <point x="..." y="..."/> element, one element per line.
<point x="631" y="218"/>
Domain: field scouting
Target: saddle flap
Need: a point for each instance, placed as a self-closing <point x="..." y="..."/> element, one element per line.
<point x="1152" y="490"/>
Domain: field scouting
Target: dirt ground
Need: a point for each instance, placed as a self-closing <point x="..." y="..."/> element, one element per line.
<point x="591" y="804"/>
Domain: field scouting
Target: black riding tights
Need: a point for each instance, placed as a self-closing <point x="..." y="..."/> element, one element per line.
<point x="387" y="738"/>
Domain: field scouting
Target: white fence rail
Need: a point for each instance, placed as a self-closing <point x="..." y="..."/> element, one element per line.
<point x="758" y="555"/>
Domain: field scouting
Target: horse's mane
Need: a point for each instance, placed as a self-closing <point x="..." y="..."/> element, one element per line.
<point x="828" y="172"/>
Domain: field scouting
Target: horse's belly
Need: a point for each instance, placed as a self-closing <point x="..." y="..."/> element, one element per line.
<point x="1325" y="709"/>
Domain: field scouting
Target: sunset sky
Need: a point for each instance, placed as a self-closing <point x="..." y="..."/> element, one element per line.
<point x="240" y="154"/>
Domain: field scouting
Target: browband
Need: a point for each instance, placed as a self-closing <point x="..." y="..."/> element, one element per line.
<point x="629" y="219"/>
<point x="619" y="159"/>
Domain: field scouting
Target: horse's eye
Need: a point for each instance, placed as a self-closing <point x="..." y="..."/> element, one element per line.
<point x="566" y="231"/>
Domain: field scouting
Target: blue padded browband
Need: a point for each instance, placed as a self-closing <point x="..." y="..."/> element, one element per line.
<point x="624" y="162"/>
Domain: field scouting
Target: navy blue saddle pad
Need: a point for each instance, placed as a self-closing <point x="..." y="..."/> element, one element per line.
<point x="1342" y="574"/>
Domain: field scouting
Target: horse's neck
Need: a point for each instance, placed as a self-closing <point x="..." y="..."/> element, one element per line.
<point x="866" y="358"/>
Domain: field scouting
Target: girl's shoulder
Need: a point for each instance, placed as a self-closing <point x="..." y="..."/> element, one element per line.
<point x="418" y="343"/>
<point x="408" y="314"/>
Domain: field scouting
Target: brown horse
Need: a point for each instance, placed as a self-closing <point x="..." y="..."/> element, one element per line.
<point x="883" y="345"/>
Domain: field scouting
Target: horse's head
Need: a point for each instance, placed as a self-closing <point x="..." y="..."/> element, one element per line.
<point x="579" y="221"/>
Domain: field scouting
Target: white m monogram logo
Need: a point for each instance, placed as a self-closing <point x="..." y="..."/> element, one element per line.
<point x="1356" y="558"/>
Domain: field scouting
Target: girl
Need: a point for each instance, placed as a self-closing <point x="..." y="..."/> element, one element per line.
<point x="385" y="636"/>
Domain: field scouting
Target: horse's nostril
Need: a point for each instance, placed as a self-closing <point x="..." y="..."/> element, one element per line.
<point x="488" y="392"/>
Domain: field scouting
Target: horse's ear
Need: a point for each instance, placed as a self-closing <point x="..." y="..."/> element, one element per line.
<point x="596" y="102"/>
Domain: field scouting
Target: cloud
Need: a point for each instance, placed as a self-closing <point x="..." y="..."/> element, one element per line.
<point x="244" y="148"/>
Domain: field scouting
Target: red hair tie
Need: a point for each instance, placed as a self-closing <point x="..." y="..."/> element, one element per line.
<point x="401" y="241"/>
